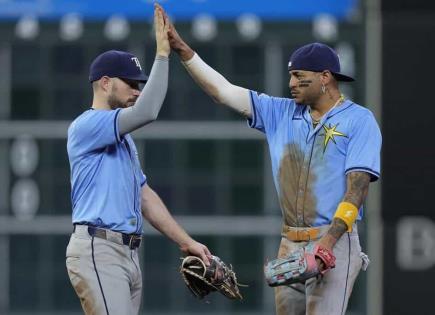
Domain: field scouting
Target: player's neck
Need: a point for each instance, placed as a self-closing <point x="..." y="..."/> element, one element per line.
<point x="100" y="102"/>
<point x="325" y="103"/>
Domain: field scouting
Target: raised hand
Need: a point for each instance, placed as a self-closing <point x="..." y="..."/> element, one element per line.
<point x="161" y="27"/>
<point x="175" y="40"/>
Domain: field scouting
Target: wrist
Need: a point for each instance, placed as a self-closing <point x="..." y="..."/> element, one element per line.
<point x="347" y="212"/>
<point x="186" y="53"/>
<point x="328" y="241"/>
<point x="162" y="54"/>
<point x="185" y="244"/>
<point x="162" y="58"/>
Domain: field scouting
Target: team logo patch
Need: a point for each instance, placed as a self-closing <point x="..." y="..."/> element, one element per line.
<point x="330" y="133"/>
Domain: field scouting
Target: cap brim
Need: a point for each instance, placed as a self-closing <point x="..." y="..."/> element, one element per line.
<point x="141" y="78"/>
<point x="342" y="77"/>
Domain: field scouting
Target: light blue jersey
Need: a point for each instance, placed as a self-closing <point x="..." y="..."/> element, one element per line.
<point x="310" y="164"/>
<point x="106" y="176"/>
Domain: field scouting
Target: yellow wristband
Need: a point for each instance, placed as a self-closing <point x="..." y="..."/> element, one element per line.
<point x="348" y="212"/>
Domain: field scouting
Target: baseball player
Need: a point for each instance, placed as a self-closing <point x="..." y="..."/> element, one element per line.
<point x="325" y="150"/>
<point x="110" y="193"/>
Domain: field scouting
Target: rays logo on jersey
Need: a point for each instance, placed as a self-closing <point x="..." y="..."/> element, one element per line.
<point x="330" y="133"/>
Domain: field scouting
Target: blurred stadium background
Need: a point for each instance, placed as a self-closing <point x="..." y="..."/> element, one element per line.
<point x="212" y="171"/>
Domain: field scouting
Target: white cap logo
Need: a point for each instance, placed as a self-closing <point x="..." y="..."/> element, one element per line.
<point x="136" y="61"/>
<point x="289" y="64"/>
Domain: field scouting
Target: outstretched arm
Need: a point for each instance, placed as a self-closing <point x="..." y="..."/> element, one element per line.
<point x="150" y="100"/>
<point x="211" y="81"/>
<point x="155" y="212"/>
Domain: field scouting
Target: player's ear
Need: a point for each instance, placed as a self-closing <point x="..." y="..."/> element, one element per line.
<point x="326" y="77"/>
<point x="105" y="84"/>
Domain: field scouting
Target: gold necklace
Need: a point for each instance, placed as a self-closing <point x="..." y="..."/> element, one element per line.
<point x="339" y="101"/>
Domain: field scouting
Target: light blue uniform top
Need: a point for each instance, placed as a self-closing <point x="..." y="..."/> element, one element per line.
<point x="310" y="164"/>
<point x="106" y="176"/>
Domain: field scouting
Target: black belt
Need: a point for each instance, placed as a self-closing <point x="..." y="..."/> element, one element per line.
<point x="131" y="240"/>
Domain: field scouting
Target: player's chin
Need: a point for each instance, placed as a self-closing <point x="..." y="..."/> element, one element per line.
<point x="297" y="98"/>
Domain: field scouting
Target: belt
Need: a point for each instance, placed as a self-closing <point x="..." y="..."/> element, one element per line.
<point x="131" y="240"/>
<point x="299" y="234"/>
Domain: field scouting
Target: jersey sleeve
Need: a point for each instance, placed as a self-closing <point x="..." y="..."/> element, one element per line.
<point x="93" y="131"/>
<point x="364" y="148"/>
<point x="267" y="111"/>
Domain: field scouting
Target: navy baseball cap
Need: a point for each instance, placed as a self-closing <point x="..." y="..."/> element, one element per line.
<point x="116" y="64"/>
<point x="317" y="57"/>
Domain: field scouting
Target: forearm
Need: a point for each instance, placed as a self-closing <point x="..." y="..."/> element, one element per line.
<point x="357" y="188"/>
<point x="217" y="86"/>
<point x="155" y="212"/>
<point x="150" y="100"/>
<point x="212" y="82"/>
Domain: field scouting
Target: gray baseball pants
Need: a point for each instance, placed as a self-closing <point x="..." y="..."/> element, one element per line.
<point x="330" y="294"/>
<point x="105" y="275"/>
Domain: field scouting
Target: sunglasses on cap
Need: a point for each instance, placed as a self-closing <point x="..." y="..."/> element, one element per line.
<point x="134" y="84"/>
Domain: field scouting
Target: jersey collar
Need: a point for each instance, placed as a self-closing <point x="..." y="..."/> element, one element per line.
<point x="345" y="105"/>
<point x="301" y="110"/>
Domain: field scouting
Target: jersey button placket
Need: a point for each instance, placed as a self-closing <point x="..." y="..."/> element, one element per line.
<point x="300" y="206"/>
<point x="135" y="188"/>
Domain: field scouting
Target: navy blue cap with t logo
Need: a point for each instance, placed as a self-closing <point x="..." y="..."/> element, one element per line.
<point x="116" y="64"/>
<point x="317" y="57"/>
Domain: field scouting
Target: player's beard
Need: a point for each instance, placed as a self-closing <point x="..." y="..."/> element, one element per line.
<point x="299" y="100"/>
<point x="115" y="103"/>
<point x="304" y="98"/>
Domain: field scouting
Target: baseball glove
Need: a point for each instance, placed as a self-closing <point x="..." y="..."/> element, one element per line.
<point x="201" y="280"/>
<point x="299" y="266"/>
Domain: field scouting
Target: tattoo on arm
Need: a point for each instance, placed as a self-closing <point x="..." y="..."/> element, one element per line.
<point x="357" y="188"/>
<point x="338" y="228"/>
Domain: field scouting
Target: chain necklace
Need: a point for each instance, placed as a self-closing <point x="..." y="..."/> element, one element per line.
<point x="317" y="121"/>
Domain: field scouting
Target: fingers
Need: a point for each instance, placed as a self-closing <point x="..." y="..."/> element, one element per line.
<point x="155" y="14"/>
<point x="168" y="26"/>
<point x="158" y="20"/>
<point x="208" y="255"/>
<point x="165" y="16"/>
<point x="158" y="6"/>
<point x="206" y="260"/>
<point x="158" y="9"/>
<point x="204" y="257"/>
<point x="166" y="23"/>
<point x="201" y="251"/>
<point x="207" y="252"/>
<point x="320" y="265"/>
<point x="161" y="31"/>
